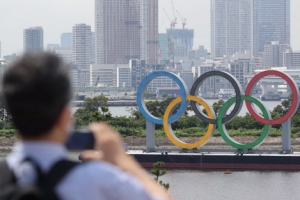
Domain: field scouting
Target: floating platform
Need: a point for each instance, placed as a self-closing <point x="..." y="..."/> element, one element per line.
<point x="219" y="161"/>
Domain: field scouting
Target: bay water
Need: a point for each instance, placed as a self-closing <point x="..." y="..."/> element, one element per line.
<point x="124" y="111"/>
<point x="215" y="185"/>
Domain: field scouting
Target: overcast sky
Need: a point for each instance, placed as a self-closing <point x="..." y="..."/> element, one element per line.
<point x="58" y="16"/>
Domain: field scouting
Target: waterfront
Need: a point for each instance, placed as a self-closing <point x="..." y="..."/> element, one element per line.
<point x="123" y="110"/>
<point x="246" y="185"/>
<point x="214" y="185"/>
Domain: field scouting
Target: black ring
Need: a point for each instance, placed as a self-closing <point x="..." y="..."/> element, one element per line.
<point x="238" y="92"/>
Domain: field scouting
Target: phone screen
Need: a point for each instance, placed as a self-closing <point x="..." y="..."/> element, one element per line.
<point x="80" y="140"/>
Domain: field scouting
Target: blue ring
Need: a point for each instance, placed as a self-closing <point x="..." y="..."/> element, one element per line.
<point x="141" y="103"/>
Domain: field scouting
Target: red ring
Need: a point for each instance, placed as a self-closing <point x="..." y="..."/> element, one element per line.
<point x="295" y="92"/>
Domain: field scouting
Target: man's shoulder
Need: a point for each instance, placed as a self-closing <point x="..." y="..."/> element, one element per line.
<point x="92" y="171"/>
<point x="100" y="180"/>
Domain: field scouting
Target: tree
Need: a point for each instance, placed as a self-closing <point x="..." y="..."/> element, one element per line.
<point x="105" y="113"/>
<point x="4" y="114"/>
<point x="94" y="103"/>
<point x="216" y="107"/>
<point x="90" y="111"/>
<point x="164" y="95"/>
<point x="148" y="95"/>
<point x="157" y="172"/>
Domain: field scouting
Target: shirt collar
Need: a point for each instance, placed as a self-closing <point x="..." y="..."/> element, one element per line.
<point x="45" y="154"/>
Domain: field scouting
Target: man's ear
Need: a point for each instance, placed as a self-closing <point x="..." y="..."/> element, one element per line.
<point x="65" y="119"/>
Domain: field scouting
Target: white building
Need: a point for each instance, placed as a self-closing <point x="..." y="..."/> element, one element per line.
<point x="110" y="75"/>
<point x="50" y="46"/>
<point x="161" y="82"/>
<point x="291" y="60"/>
<point x="74" y="76"/>
<point x="64" y="52"/>
<point x="81" y="45"/>
<point x="273" y="54"/>
<point x="138" y="72"/>
<point x="33" y="39"/>
<point x="234" y="27"/>
<point x="188" y="78"/>
<point x="123" y="76"/>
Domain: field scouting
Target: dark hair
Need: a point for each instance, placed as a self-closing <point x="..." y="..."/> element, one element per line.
<point x="36" y="88"/>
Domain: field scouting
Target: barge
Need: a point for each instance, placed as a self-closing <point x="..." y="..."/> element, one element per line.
<point x="220" y="161"/>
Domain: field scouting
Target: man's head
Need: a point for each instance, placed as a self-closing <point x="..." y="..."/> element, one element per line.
<point x="37" y="91"/>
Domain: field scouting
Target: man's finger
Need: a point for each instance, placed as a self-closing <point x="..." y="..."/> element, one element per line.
<point x="90" y="155"/>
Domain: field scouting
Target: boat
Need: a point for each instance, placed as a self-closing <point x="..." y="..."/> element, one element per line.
<point x="210" y="96"/>
<point x="285" y="96"/>
<point x="270" y="97"/>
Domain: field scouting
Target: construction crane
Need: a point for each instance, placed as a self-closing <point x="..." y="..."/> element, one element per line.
<point x="172" y="25"/>
<point x="183" y="20"/>
<point x="97" y="81"/>
<point x="175" y="18"/>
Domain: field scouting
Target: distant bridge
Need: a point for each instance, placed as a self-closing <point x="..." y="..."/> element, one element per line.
<point x="118" y="103"/>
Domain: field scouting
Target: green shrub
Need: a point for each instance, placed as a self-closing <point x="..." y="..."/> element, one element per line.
<point x="8" y="132"/>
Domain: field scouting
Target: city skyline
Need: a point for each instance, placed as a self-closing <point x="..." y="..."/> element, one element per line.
<point x="126" y="30"/>
<point x="192" y="10"/>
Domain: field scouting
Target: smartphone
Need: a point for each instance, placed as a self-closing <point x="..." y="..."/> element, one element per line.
<point x="81" y="140"/>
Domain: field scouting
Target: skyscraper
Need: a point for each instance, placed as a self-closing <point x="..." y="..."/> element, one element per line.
<point x="92" y="47"/>
<point x="163" y="46"/>
<point x="274" y="22"/>
<point x="183" y="40"/>
<point x="126" y="30"/>
<point x="233" y="27"/>
<point x="33" y="39"/>
<point x="81" y="46"/>
<point x="66" y="40"/>
<point x="81" y="52"/>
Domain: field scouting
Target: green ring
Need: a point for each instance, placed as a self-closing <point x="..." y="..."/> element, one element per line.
<point x="226" y="137"/>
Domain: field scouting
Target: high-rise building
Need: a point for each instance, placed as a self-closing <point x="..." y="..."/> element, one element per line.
<point x="66" y="40"/>
<point x="81" y="52"/>
<point x="138" y="72"/>
<point x="33" y="39"/>
<point x="81" y="45"/>
<point x="0" y="49"/>
<point x="74" y="75"/>
<point x="233" y="27"/>
<point x="273" y="54"/>
<point x="126" y="30"/>
<point x="92" y="47"/>
<point x="163" y="46"/>
<point x="274" y="22"/>
<point x="183" y="40"/>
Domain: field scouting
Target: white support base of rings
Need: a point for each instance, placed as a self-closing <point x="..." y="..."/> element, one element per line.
<point x="150" y="136"/>
<point x="286" y="143"/>
<point x="286" y="136"/>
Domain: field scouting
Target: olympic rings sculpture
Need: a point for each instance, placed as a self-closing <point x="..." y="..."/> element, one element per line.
<point x="222" y="118"/>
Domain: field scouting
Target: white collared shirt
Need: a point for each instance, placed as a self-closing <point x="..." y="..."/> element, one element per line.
<point x="88" y="181"/>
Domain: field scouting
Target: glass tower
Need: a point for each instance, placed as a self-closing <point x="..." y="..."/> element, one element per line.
<point x="274" y="22"/>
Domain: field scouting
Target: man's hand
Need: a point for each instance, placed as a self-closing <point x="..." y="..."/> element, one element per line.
<point x="109" y="145"/>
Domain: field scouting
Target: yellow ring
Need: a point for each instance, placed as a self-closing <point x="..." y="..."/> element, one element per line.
<point x="168" y="129"/>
